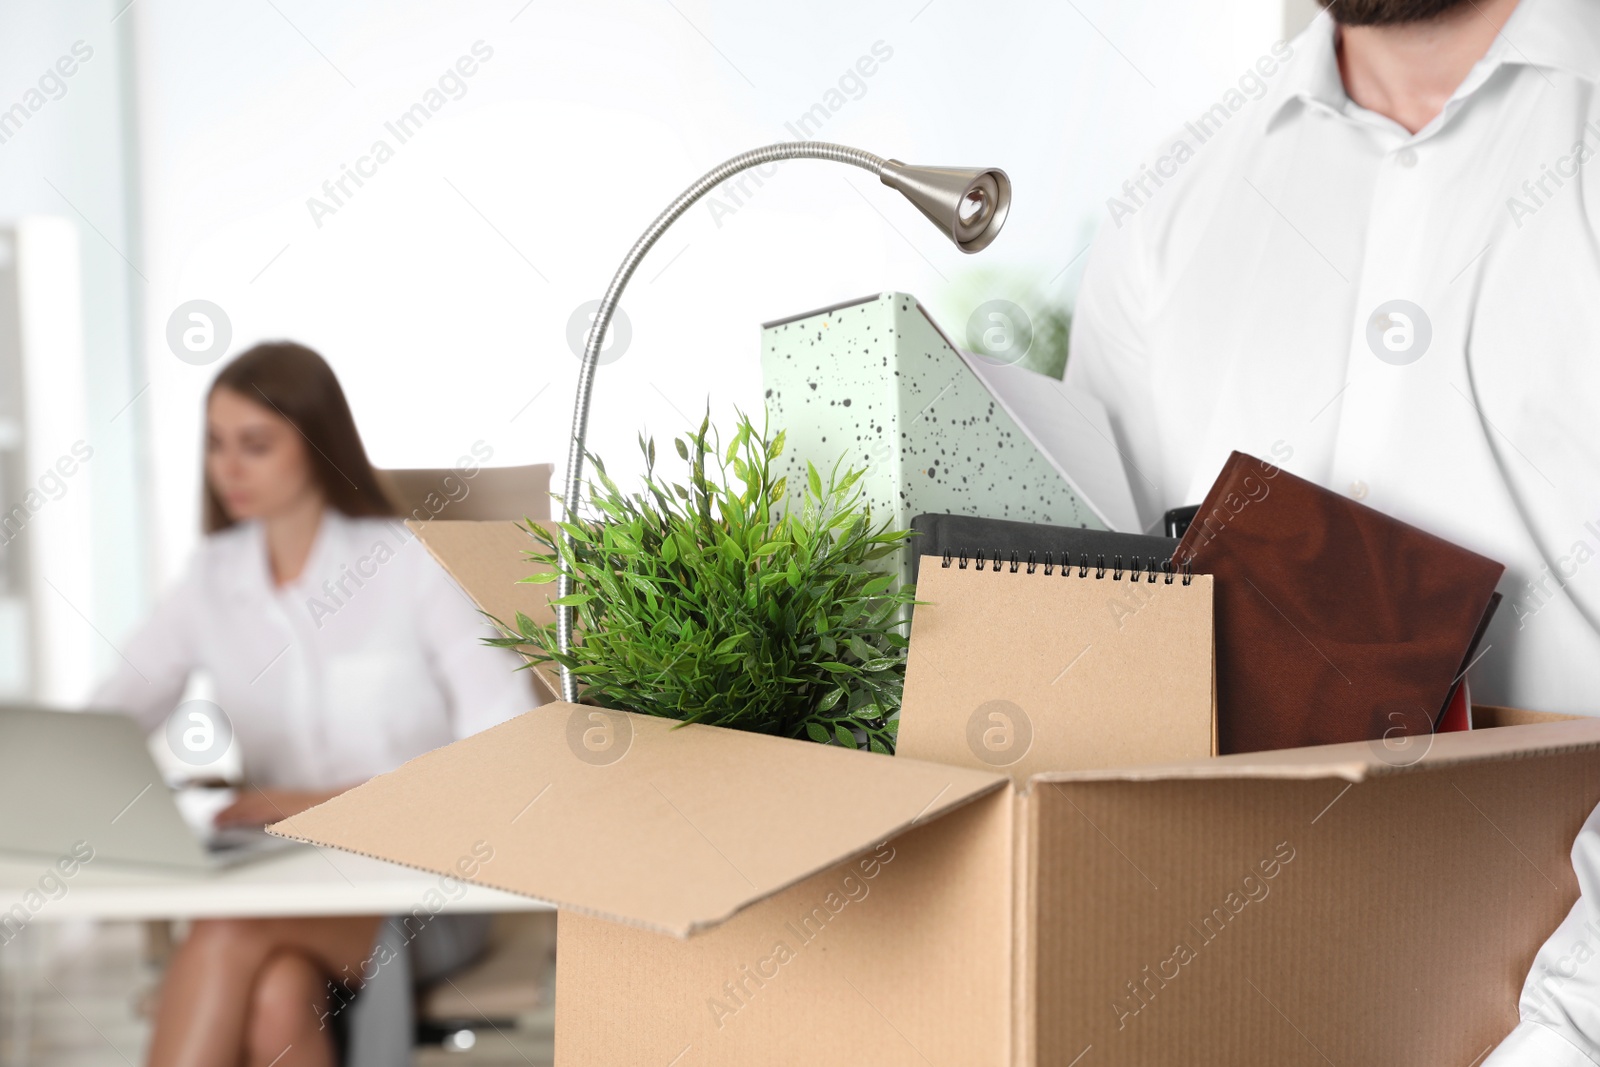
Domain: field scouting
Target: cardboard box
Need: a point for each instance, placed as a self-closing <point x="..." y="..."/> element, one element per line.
<point x="732" y="898"/>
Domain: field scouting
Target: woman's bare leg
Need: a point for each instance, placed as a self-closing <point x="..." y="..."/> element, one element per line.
<point x="288" y="1025"/>
<point x="207" y="995"/>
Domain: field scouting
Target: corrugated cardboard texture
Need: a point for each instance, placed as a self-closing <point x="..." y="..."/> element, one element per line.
<point x="1310" y="921"/>
<point x="487" y="560"/>
<point x="1357" y="761"/>
<point x="1024" y="672"/>
<point x="631" y="818"/>
<point x="897" y="958"/>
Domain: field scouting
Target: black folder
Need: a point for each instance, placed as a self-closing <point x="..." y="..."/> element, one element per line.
<point x="972" y="538"/>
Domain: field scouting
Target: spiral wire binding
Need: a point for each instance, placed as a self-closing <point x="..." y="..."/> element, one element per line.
<point x="1150" y="570"/>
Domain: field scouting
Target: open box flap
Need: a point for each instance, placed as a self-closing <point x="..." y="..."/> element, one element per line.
<point x="628" y="818"/>
<point x="487" y="559"/>
<point x="1360" y="760"/>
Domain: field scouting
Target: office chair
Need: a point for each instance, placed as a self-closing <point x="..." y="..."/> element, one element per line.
<point x="490" y="493"/>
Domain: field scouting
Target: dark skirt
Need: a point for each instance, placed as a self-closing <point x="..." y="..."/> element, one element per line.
<point x="378" y="1027"/>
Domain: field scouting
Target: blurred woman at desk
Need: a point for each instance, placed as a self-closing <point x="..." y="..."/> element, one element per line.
<point x="338" y="650"/>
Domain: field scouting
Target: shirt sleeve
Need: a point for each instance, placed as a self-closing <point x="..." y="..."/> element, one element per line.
<point x="1108" y="359"/>
<point x="1532" y="1044"/>
<point x="1560" y="1005"/>
<point x="483" y="685"/>
<point x="154" y="665"/>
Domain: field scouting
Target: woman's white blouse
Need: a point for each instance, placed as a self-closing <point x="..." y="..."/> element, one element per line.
<point x="370" y="658"/>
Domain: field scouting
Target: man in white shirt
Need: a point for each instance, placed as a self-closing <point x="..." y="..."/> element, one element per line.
<point x="1375" y="263"/>
<point x="1386" y="269"/>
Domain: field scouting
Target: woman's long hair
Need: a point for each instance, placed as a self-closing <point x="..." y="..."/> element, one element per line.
<point x="299" y="385"/>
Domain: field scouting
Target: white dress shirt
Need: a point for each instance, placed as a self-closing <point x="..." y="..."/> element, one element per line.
<point x="1229" y="307"/>
<point x="370" y="658"/>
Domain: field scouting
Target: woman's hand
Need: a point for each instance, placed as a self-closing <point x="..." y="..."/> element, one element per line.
<point x="257" y="807"/>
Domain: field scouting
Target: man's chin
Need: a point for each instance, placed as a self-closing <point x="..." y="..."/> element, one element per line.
<point x="1388" y="12"/>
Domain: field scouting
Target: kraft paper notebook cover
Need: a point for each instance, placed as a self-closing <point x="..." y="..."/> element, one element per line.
<point x="1335" y="622"/>
<point x="1030" y="667"/>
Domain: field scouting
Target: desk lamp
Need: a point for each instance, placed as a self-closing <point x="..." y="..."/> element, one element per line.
<point x="968" y="205"/>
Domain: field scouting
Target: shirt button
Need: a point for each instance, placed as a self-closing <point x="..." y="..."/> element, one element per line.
<point x="1407" y="157"/>
<point x="1358" y="489"/>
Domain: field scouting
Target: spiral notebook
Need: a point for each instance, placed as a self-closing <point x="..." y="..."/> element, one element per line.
<point x="935" y="534"/>
<point x="1022" y="665"/>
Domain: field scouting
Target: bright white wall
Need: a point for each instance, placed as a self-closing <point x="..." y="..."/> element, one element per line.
<point x="442" y="288"/>
<point x="1297" y="15"/>
<point x="67" y="164"/>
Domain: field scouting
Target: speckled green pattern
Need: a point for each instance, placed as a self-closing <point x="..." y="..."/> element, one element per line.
<point x="877" y="380"/>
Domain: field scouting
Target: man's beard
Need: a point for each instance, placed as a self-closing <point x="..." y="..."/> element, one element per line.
<point x="1386" y="12"/>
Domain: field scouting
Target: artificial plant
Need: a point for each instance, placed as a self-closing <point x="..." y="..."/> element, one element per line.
<point x="729" y="601"/>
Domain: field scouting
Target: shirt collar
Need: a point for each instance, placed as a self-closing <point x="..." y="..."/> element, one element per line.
<point x="253" y="575"/>
<point x="1312" y="73"/>
<point x="329" y="549"/>
<point x="1561" y="35"/>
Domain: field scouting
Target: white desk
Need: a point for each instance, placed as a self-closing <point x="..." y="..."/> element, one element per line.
<point x="297" y="881"/>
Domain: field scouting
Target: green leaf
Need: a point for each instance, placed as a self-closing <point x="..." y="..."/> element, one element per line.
<point x="708" y="595"/>
<point x="574" y="532"/>
<point x="877" y="585"/>
<point x="861" y="650"/>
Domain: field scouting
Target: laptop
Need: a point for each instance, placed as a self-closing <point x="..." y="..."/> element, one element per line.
<point x="87" y="776"/>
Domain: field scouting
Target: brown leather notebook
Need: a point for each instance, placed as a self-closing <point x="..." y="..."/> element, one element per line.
<point x="1334" y="622"/>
